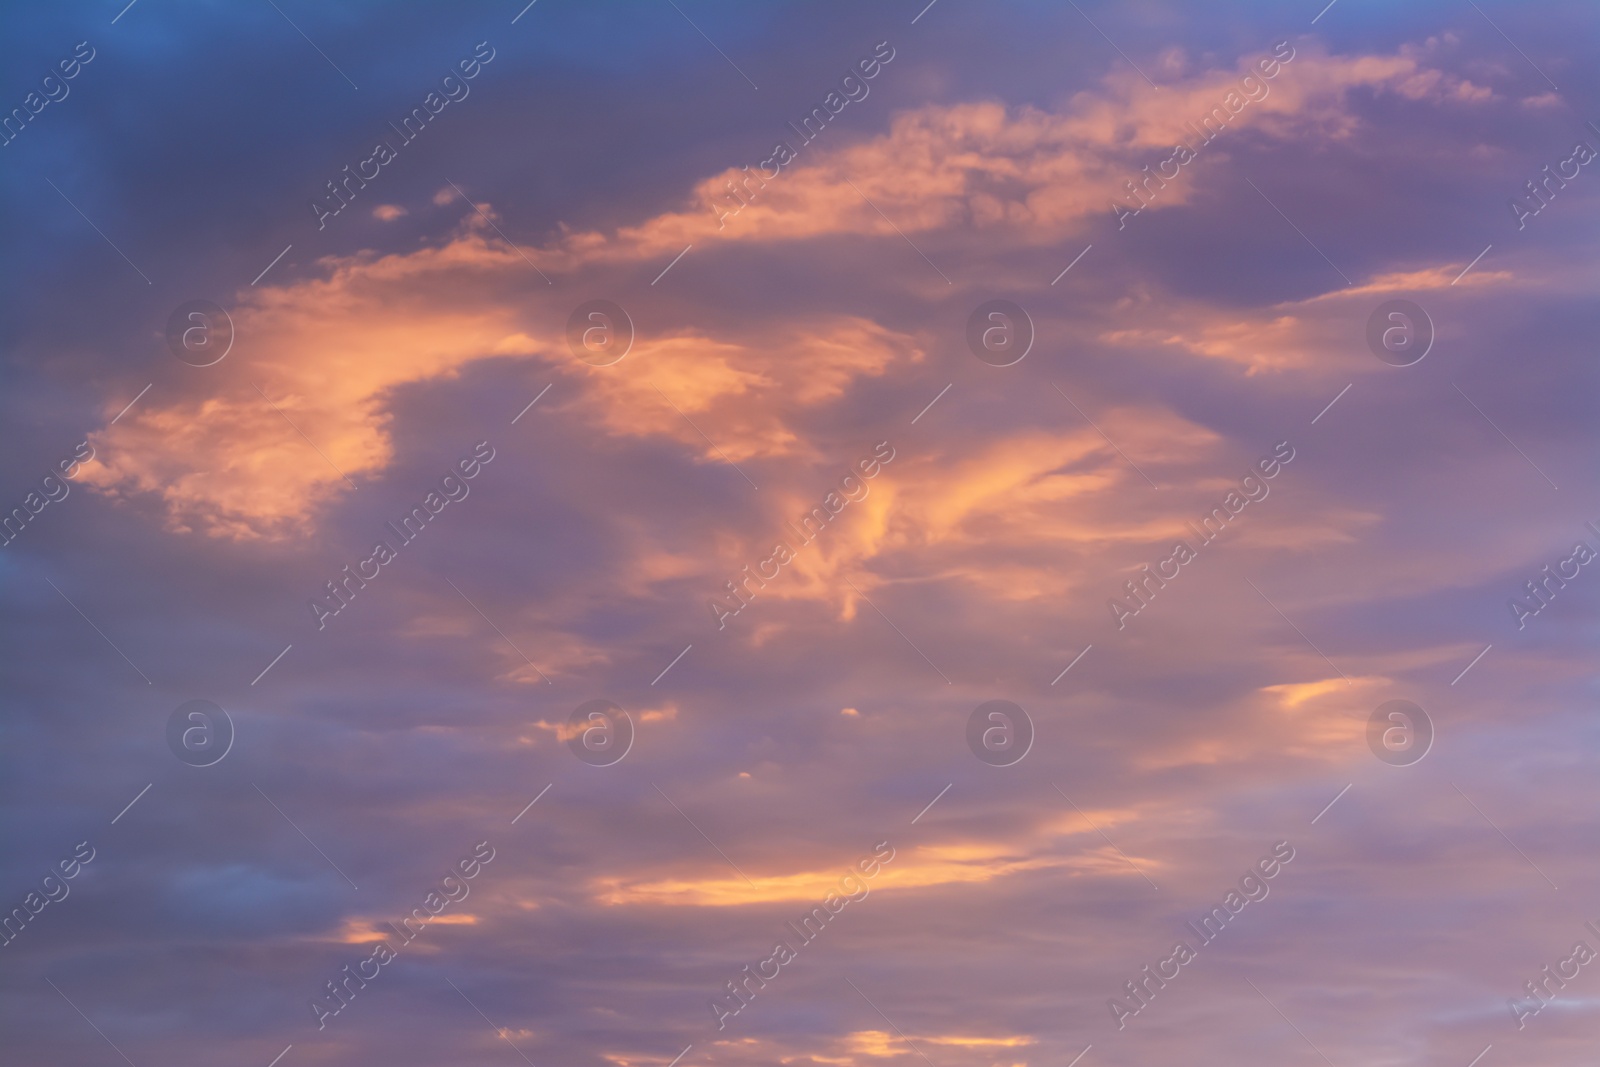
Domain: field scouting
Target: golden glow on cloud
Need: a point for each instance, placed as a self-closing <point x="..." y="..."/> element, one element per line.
<point x="1030" y="173"/>
<point x="1445" y="277"/>
<point x="927" y="866"/>
<point x="1293" y="335"/>
<point x="1074" y="822"/>
<point x="1324" y="719"/>
<point x="360" y="930"/>
<point x="1327" y="718"/>
<point x="313" y="370"/>
<point x="333" y="351"/>
<point x="564" y="731"/>
<point x="881" y="1044"/>
<point x="995" y="517"/>
<point x="857" y="1047"/>
<point x="736" y="393"/>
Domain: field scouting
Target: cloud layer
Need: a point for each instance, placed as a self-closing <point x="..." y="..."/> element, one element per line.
<point x="797" y="534"/>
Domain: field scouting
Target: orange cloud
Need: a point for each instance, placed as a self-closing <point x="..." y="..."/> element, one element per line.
<point x="988" y="517"/>
<point x="927" y="866"/>
<point x="1030" y="172"/>
<point x="880" y="1044"/>
<point x="1323" y="719"/>
<point x="358" y="930"/>
<point x="301" y="410"/>
<point x="732" y="391"/>
<point x="1290" y="335"/>
<point x="301" y="403"/>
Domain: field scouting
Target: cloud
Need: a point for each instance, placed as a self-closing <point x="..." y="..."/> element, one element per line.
<point x="882" y="1044"/>
<point x="724" y="399"/>
<point x="793" y="340"/>
<point x="305" y="401"/>
<point x="358" y="930"/>
<point x="1301" y="334"/>
<point x="929" y="866"/>
<point x="300" y="404"/>
<point x="1026" y="173"/>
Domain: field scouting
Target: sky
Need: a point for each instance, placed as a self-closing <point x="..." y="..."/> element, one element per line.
<point x="675" y="533"/>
